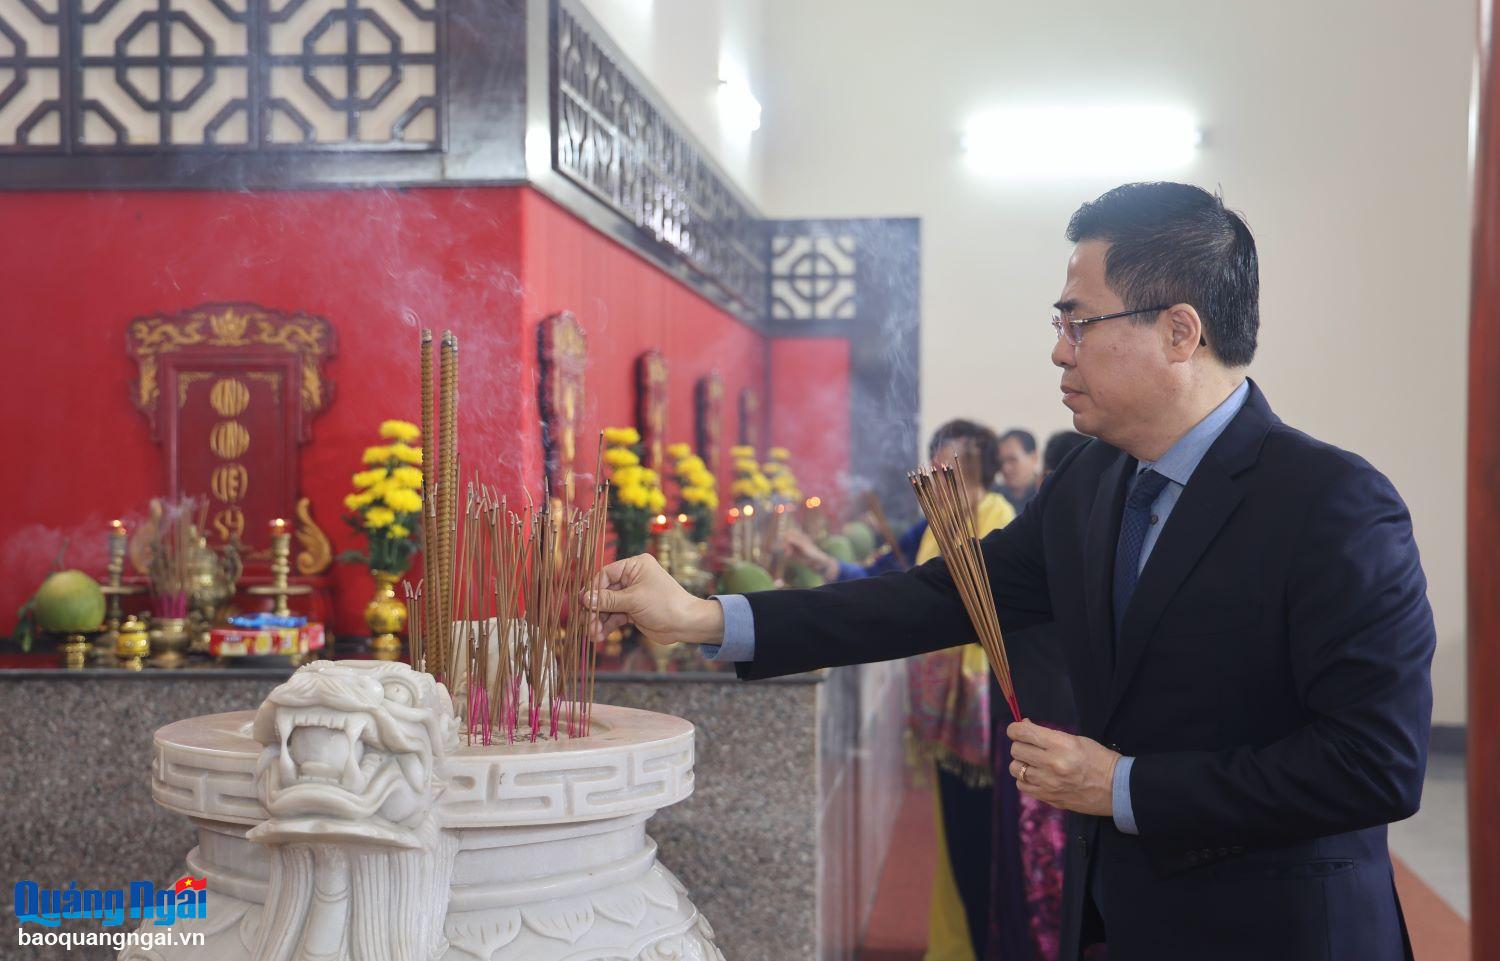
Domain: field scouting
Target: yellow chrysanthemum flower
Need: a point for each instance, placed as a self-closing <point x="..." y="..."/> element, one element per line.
<point x="679" y="451"/>
<point x="403" y="500"/>
<point x="621" y="436"/>
<point x="369" y="478"/>
<point x="711" y="501"/>
<point x="377" y="455"/>
<point x="377" y="517"/>
<point x="746" y="465"/>
<point x="408" y="477"/>
<point x="743" y="488"/>
<point x="357" y="502"/>
<point x="700" y="478"/>
<point x="407" y="454"/>
<point x="401" y="430"/>
<point x="692" y="495"/>
<point x="621" y="457"/>
<point x="779" y="453"/>
<point x="772" y="468"/>
<point x="742" y="450"/>
<point x="686" y="465"/>
<point x="633" y="496"/>
<point x="398" y="531"/>
<point x="657" y="502"/>
<point x="650" y="477"/>
<point x="627" y="476"/>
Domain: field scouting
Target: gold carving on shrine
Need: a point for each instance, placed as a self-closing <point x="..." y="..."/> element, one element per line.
<point x="651" y="406"/>
<point x="229" y="523"/>
<point x="316" y="555"/>
<point x="231" y="325"/>
<point x="708" y="396"/>
<point x="563" y="350"/>
<point x="187" y="379"/>
<point x="271" y="377"/>
<point x="229" y="439"/>
<point x="229" y="397"/>
<point x="229" y="482"/>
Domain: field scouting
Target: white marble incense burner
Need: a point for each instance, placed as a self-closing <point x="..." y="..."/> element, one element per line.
<point x="345" y="819"/>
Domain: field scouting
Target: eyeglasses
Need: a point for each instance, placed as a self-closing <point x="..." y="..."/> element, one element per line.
<point x="1073" y="329"/>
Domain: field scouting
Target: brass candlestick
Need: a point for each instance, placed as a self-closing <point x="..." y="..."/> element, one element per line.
<point x="104" y="642"/>
<point x="76" y="649"/>
<point x="281" y="568"/>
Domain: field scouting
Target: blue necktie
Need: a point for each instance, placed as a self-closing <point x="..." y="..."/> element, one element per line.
<point x="1133" y="526"/>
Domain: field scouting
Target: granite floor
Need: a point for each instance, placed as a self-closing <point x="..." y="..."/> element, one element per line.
<point x="1435" y="842"/>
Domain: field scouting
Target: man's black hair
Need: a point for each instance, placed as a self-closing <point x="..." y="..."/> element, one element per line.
<point x="1178" y="244"/>
<point x="1026" y="437"/>
<point x="982" y="441"/>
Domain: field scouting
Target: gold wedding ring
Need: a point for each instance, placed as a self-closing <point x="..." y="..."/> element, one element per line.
<point x="1024" y="768"/>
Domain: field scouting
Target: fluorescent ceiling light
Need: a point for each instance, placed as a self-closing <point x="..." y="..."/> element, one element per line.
<point x="1080" y="141"/>
<point x="737" y="106"/>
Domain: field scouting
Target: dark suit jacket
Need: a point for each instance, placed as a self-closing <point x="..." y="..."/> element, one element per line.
<point x="1272" y="680"/>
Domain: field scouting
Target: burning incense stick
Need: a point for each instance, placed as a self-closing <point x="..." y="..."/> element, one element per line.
<point x="499" y="616"/>
<point x="883" y="525"/>
<point x="950" y="513"/>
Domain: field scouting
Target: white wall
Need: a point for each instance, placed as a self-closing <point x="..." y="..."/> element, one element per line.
<point x="684" y="47"/>
<point x="1338" y="127"/>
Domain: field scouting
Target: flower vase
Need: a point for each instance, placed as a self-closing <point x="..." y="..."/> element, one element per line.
<point x="386" y="617"/>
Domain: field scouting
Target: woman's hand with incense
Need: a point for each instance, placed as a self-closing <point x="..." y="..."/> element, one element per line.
<point x="1065" y="770"/>
<point x="637" y="590"/>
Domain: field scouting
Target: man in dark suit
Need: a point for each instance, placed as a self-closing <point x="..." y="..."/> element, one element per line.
<point x="1242" y="610"/>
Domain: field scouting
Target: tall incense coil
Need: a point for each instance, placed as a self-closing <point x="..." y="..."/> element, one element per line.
<point x="429" y="526"/>
<point x="447" y="518"/>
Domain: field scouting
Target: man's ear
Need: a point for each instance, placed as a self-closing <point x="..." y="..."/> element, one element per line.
<point x="1184" y="330"/>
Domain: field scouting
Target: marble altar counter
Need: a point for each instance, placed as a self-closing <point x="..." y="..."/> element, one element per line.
<point x="798" y="782"/>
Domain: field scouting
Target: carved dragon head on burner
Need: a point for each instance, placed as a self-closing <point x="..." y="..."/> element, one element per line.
<point x="350" y="773"/>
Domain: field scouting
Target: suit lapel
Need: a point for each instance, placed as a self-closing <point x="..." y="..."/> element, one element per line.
<point x="1099" y="556"/>
<point x="1205" y="505"/>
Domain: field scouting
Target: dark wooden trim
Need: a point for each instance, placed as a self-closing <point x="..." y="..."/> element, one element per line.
<point x="1484" y="515"/>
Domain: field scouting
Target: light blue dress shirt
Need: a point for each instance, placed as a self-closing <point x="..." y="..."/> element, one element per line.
<point x="1176" y="465"/>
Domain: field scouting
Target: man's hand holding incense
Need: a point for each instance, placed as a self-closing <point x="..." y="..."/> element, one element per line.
<point x="1067" y="771"/>
<point x="638" y="591"/>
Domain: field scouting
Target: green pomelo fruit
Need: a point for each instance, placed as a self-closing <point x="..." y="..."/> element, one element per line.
<point x="68" y="602"/>
<point x="838" y="546"/>
<point x="861" y="538"/>
<point x="802" y="576"/>
<point x="743" y="577"/>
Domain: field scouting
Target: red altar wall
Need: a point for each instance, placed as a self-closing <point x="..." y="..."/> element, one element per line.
<point x="486" y="262"/>
<point x="810" y="411"/>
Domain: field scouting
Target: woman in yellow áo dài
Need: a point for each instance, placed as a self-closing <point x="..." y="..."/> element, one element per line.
<point x="949" y="726"/>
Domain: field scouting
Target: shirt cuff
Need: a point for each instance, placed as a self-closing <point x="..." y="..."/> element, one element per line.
<point x="1120" y="790"/>
<point x="739" y="631"/>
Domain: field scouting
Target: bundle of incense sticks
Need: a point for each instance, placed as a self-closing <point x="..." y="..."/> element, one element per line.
<point x="950" y="513"/>
<point x="174" y="540"/>
<point x="498" y="616"/>
<point x="522" y="661"/>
